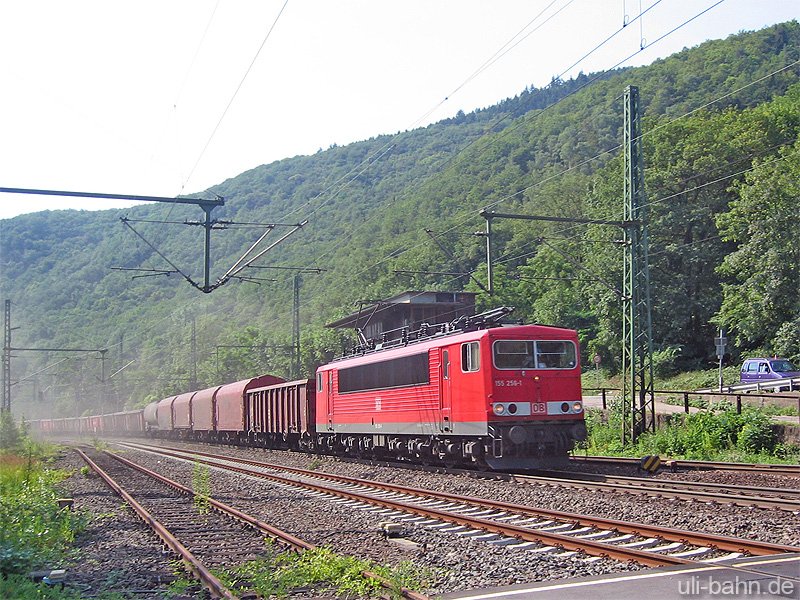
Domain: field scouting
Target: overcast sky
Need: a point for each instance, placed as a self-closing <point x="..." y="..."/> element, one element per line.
<point x="167" y="97"/>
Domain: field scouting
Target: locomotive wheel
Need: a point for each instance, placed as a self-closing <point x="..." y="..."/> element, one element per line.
<point x="449" y="461"/>
<point x="481" y="464"/>
<point x="363" y="453"/>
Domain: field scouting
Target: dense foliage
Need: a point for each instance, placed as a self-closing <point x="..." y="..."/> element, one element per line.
<point x="721" y="434"/>
<point x="721" y="153"/>
<point x="34" y="530"/>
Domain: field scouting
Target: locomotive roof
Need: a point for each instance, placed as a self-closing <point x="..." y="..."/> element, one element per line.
<point x="423" y="345"/>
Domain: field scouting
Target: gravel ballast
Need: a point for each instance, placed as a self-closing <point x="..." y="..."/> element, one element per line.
<point x="448" y="562"/>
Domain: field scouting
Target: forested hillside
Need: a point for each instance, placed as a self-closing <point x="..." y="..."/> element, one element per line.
<point x="722" y="178"/>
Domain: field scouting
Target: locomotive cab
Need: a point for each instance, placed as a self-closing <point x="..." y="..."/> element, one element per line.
<point x="535" y="410"/>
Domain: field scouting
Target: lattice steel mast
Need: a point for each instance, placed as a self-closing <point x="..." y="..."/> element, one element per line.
<point x="7" y="359"/>
<point x="637" y="324"/>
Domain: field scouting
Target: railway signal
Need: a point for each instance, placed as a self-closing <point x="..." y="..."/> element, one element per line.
<point x="720" y="343"/>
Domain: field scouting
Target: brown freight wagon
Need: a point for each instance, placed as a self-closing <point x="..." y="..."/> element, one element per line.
<point x="282" y="415"/>
<point x="228" y="405"/>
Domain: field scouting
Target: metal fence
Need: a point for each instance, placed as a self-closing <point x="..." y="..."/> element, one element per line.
<point x="734" y="396"/>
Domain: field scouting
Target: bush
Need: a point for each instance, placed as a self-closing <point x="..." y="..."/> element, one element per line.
<point x="723" y="435"/>
<point x="756" y="434"/>
<point x="32" y="527"/>
<point x="322" y="570"/>
<point x="18" y="587"/>
<point x="665" y="361"/>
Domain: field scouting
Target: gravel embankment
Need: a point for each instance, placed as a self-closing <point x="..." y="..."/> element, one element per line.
<point x="774" y="526"/>
<point x="450" y="562"/>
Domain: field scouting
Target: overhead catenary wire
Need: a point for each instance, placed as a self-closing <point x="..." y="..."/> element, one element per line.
<point x="387" y="146"/>
<point x="235" y="93"/>
<point x="608" y="151"/>
<point x="344" y="181"/>
<point x="383" y="150"/>
<point x="592" y="80"/>
<point x="502" y="51"/>
<point x="179" y="94"/>
<point x="741" y="171"/>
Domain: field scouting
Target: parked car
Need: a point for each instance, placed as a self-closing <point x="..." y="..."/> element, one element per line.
<point x="758" y="370"/>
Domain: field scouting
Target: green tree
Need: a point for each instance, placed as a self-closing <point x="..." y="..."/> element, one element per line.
<point x="761" y="304"/>
<point x="10" y="438"/>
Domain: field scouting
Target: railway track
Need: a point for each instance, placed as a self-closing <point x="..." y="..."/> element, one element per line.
<point x="759" y="497"/>
<point x="695" y="465"/>
<point x="203" y="539"/>
<point x="524" y="527"/>
<point x="787" y="499"/>
<point x="164" y="513"/>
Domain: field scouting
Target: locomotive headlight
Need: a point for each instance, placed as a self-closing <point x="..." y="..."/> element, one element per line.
<point x="577" y="407"/>
<point x="499" y="409"/>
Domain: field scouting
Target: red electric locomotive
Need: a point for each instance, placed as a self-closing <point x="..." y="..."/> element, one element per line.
<point x="473" y="391"/>
<point x="502" y="397"/>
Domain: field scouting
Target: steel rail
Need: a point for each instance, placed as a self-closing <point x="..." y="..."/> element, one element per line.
<point x="273" y="532"/>
<point x="770" y="491"/>
<point x="554" y="539"/>
<point x="685" y="490"/>
<point x="724" y="543"/>
<point x="699" y="465"/>
<point x="214" y="585"/>
<point x="791" y="470"/>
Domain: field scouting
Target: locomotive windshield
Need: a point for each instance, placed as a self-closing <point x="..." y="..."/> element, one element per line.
<point x="520" y="354"/>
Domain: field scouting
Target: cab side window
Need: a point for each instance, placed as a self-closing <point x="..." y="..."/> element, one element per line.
<point x="470" y="357"/>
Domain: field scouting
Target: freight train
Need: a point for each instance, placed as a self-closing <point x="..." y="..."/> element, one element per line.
<point x="472" y="392"/>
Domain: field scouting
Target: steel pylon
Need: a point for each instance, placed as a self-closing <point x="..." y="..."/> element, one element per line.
<point x="637" y="324"/>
